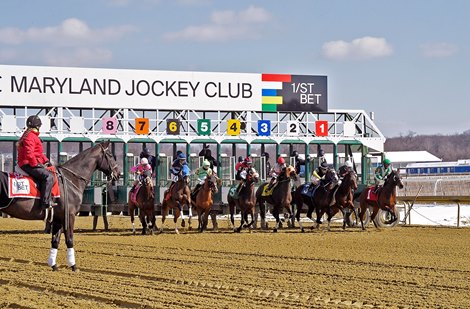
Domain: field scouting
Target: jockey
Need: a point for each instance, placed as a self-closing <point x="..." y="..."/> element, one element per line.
<point x="277" y="169"/>
<point x="321" y="156"/>
<point x="143" y="169"/>
<point x="319" y="173"/>
<point x="202" y="173"/>
<point x="177" y="165"/>
<point x="381" y="173"/>
<point x="242" y="169"/>
<point x="345" y="168"/>
<point x="33" y="161"/>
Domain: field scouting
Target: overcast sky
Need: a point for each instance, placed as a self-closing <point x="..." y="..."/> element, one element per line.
<point x="406" y="61"/>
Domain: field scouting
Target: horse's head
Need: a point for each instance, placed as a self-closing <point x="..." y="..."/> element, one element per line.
<point x="107" y="164"/>
<point x="290" y="172"/>
<point x="394" y="179"/>
<point x="212" y="183"/>
<point x="252" y="175"/>
<point x="331" y="177"/>
<point x="351" y="180"/>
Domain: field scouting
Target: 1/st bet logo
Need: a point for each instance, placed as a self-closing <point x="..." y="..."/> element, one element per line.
<point x="305" y="91"/>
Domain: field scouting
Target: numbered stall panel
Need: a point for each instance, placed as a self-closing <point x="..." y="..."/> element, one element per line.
<point x="321" y="128"/>
<point x="293" y="128"/>
<point x="142" y="125"/>
<point x="110" y="125"/>
<point x="264" y="127"/>
<point x="173" y="126"/>
<point x="204" y="127"/>
<point x="233" y="127"/>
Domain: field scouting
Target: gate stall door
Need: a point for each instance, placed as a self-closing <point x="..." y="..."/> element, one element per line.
<point x="259" y="163"/>
<point x="194" y="163"/>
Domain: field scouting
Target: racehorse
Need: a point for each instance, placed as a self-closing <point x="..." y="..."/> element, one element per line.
<point x="180" y="195"/>
<point x="144" y="200"/>
<point x="342" y="198"/>
<point x="280" y="198"/>
<point x="387" y="199"/>
<point x="246" y="201"/>
<point x="321" y="198"/>
<point x="74" y="175"/>
<point x="203" y="202"/>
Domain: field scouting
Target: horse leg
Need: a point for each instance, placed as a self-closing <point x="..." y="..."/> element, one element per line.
<point x="176" y="214"/>
<point x="131" y="212"/>
<point x="299" y="203"/>
<point x="69" y="243"/>
<point x="252" y="214"/>
<point x="143" y="221"/>
<point x="165" y="210"/>
<point x="276" y="215"/>
<point x="332" y="211"/>
<point x="206" y="218"/>
<point x="242" y="219"/>
<point x="262" y="213"/>
<point x="190" y="215"/>
<point x="180" y="211"/>
<point x="56" y="232"/>
<point x="232" y="214"/>
<point x="374" y="214"/>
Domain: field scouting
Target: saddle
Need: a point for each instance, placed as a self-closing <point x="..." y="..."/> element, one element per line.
<point x="372" y="195"/>
<point x="20" y="184"/>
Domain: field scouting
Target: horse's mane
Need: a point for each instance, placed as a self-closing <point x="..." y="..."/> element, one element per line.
<point x="79" y="156"/>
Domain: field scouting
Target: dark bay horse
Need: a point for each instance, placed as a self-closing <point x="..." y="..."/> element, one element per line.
<point x="343" y="198"/>
<point x="246" y="201"/>
<point x="320" y="200"/>
<point x="180" y="195"/>
<point x="387" y="199"/>
<point x="75" y="174"/>
<point x="203" y="203"/>
<point x="280" y="198"/>
<point x="145" y="202"/>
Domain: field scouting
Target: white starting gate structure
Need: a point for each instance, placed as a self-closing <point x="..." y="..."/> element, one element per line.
<point x="78" y="105"/>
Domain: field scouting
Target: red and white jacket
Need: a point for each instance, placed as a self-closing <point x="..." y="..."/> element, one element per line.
<point x="30" y="150"/>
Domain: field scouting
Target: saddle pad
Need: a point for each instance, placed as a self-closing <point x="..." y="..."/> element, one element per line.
<point x="233" y="192"/>
<point x="371" y="196"/>
<point x="305" y="189"/>
<point x="134" y="194"/>
<point x="25" y="187"/>
<point x="267" y="192"/>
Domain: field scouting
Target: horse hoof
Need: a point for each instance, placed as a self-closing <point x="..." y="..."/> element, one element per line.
<point x="302" y="230"/>
<point x="183" y="224"/>
<point x="55" y="267"/>
<point x="275" y="231"/>
<point x="74" y="268"/>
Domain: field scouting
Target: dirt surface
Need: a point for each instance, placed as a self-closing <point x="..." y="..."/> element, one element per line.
<point x="401" y="267"/>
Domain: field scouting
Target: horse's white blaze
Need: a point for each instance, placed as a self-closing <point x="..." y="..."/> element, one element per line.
<point x="70" y="257"/>
<point x="51" y="261"/>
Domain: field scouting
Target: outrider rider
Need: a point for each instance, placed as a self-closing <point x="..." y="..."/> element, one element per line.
<point x="32" y="160"/>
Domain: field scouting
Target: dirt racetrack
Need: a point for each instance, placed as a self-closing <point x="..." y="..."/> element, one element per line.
<point x="401" y="267"/>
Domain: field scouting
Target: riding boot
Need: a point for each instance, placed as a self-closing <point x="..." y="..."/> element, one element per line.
<point x="376" y="189"/>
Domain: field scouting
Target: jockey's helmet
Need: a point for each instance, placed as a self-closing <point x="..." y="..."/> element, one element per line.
<point x="281" y="160"/>
<point x="323" y="166"/>
<point x="348" y="164"/>
<point x="181" y="156"/>
<point x="33" y="122"/>
<point x="240" y="159"/>
<point x="206" y="163"/>
<point x="144" y="161"/>
<point x="387" y="162"/>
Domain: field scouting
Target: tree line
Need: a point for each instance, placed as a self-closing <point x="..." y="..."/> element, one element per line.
<point x="446" y="147"/>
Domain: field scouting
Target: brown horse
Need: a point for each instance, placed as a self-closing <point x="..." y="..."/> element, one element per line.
<point x="280" y="198"/>
<point x="343" y="197"/>
<point x="320" y="200"/>
<point x="180" y="195"/>
<point x="75" y="174"/>
<point x="246" y="201"/>
<point x="387" y="199"/>
<point x="204" y="201"/>
<point x="145" y="201"/>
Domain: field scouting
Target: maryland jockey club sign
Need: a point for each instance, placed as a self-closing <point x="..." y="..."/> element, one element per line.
<point x="164" y="90"/>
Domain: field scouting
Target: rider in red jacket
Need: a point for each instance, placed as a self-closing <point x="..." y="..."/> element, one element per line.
<point x="32" y="159"/>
